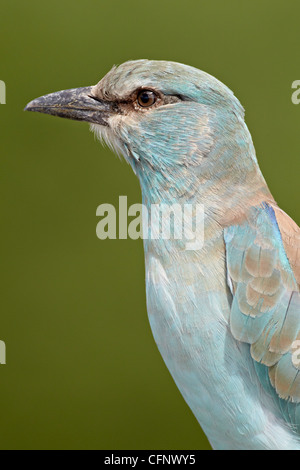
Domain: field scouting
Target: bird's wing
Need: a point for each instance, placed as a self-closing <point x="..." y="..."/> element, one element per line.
<point x="290" y="234"/>
<point x="263" y="274"/>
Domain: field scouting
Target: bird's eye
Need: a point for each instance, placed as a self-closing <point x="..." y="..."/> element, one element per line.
<point x="146" y="98"/>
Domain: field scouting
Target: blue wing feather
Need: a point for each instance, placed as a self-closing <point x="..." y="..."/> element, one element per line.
<point x="265" y="309"/>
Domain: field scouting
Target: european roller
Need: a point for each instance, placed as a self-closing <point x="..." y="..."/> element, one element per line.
<point x="226" y="317"/>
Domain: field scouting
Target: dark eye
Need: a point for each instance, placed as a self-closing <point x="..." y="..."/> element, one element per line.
<point x="146" y="98"/>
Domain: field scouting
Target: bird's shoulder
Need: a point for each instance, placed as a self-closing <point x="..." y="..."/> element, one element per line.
<point x="290" y="234"/>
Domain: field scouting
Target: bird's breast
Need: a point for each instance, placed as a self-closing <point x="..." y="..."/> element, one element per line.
<point x="188" y="303"/>
<point x="188" y="308"/>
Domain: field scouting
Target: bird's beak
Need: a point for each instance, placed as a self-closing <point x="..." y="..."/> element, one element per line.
<point x="78" y="104"/>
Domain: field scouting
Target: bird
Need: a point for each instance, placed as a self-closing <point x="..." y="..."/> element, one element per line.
<point x="226" y="317"/>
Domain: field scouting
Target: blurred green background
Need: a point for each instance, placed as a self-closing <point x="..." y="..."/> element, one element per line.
<point x="83" y="371"/>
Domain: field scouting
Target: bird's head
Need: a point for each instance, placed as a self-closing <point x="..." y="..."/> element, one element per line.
<point x="178" y="127"/>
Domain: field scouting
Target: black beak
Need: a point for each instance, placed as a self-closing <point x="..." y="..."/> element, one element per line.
<point x="78" y="104"/>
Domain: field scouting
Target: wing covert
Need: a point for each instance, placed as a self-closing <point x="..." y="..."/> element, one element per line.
<point x="265" y="310"/>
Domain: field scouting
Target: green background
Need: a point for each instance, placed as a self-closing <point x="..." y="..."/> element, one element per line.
<point x="83" y="371"/>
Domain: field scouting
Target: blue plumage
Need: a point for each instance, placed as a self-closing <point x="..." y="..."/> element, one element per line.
<point x="226" y="317"/>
